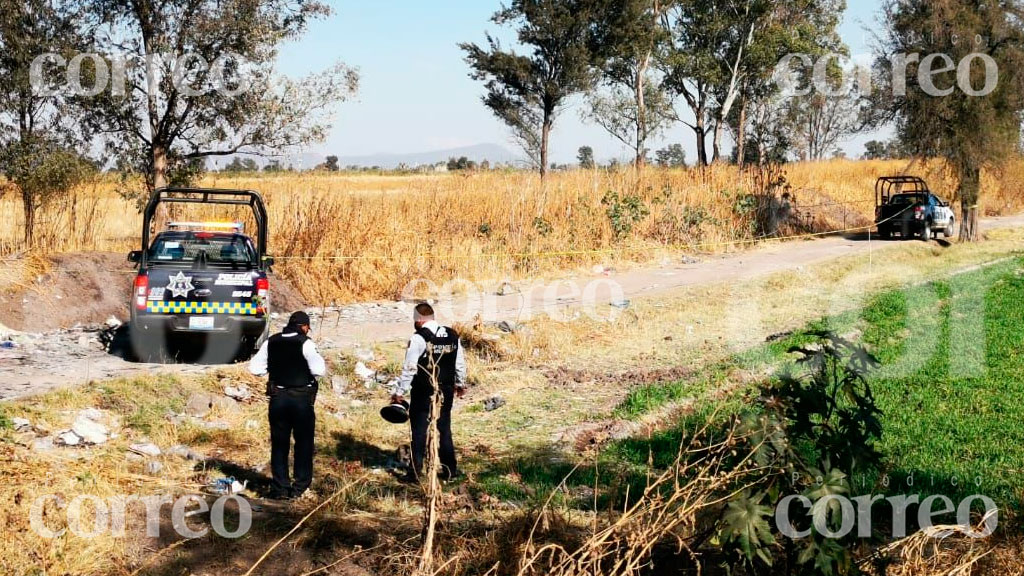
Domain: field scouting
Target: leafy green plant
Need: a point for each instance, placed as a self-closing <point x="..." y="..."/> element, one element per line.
<point x="808" y="429"/>
<point x="624" y="213"/>
<point x="542" y="226"/>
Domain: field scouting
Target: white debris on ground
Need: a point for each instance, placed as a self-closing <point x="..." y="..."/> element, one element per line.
<point x="91" y="426"/>
<point x="240" y="393"/>
<point x="145" y="449"/>
<point x="363" y="372"/>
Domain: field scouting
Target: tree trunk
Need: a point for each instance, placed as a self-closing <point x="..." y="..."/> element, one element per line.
<point x="716" y="150"/>
<point x="970" y="188"/>
<point x="30" y="219"/>
<point x="159" y="167"/>
<point x="545" y="136"/>
<point x="741" y="145"/>
<point x="702" y="150"/>
<point x="641" y="113"/>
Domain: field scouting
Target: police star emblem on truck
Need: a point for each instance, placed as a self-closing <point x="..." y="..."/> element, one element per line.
<point x="180" y="285"/>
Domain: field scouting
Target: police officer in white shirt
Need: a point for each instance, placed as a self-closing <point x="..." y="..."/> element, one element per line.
<point x="434" y="355"/>
<point x="293" y="364"/>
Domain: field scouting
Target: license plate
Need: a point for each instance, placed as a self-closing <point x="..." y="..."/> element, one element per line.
<point x="200" y="323"/>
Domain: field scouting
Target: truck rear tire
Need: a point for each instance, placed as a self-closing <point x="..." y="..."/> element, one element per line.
<point x="948" y="232"/>
<point x="926" y="231"/>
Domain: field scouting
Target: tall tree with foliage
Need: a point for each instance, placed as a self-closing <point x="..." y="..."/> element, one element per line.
<point x="526" y="92"/>
<point x="632" y="105"/>
<point x="38" y="128"/>
<point x="201" y="82"/>
<point x="585" y="156"/>
<point x="973" y="122"/>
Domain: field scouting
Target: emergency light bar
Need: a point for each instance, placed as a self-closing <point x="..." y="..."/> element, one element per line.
<point x="237" y="227"/>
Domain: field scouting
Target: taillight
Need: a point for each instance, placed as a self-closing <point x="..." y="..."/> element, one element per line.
<point x="141" y="291"/>
<point x="919" y="212"/>
<point x="263" y="291"/>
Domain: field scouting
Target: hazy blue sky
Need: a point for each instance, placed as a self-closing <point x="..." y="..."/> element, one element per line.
<point x="415" y="94"/>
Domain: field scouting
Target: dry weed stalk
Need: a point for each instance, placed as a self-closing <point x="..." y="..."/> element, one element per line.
<point x="432" y="490"/>
<point x="668" y="509"/>
<point x="940" y="551"/>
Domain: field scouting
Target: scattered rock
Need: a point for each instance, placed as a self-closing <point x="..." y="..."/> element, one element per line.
<point x="493" y="403"/>
<point x="507" y="289"/>
<point x="216" y="425"/>
<point x="690" y="260"/>
<point x="363" y="372"/>
<point x="200" y="404"/>
<point x="365" y="355"/>
<point x="509" y="327"/>
<point x="239" y="393"/>
<point x="357" y="404"/>
<point x="42" y="444"/>
<point x="113" y="322"/>
<point x="145" y="449"/>
<point x="133" y="457"/>
<point x="251" y="424"/>
<point x="182" y="451"/>
<point x="88" y="429"/>
<point x="339" y="384"/>
<point x="153" y="467"/>
<point x="69" y="438"/>
<point x="21" y="424"/>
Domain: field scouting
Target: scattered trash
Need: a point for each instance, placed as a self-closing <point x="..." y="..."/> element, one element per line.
<point x="507" y="289"/>
<point x="493" y="403"/>
<point x="113" y="322"/>
<point x="339" y="384"/>
<point x="43" y="444"/>
<point x="8" y="345"/>
<point x="21" y="424"/>
<point x="690" y="260"/>
<point x="153" y="467"/>
<point x="229" y="485"/>
<point x="146" y="449"/>
<point x="620" y="304"/>
<point x="357" y="403"/>
<point x="598" y="269"/>
<point x="365" y="355"/>
<point x="251" y="424"/>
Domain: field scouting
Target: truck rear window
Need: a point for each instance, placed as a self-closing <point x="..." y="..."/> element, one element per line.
<point x="219" y="249"/>
<point x="908" y="199"/>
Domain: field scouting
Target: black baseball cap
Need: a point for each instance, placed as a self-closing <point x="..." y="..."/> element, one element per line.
<point x="299" y="319"/>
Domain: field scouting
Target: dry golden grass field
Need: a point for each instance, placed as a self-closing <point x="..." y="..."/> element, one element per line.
<point x="350" y="236"/>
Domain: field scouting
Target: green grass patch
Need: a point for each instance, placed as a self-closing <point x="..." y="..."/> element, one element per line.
<point x="951" y="386"/>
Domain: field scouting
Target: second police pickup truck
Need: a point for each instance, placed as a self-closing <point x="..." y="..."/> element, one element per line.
<point x="904" y="205"/>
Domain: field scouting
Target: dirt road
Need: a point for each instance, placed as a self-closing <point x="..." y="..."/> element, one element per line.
<point x="41" y="362"/>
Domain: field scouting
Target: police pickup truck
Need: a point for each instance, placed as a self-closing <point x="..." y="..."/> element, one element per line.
<point x="905" y="205"/>
<point x="201" y="280"/>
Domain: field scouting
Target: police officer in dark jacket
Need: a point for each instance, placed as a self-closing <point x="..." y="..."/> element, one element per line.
<point x="434" y="354"/>
<point x="293" y="364"/>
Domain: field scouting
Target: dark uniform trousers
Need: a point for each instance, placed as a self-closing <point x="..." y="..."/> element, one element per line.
<point x="419" y="417"/>
<point x="291" y="413"/>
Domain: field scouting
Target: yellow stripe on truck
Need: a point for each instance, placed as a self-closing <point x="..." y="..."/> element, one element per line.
<point x="239" y="308"/>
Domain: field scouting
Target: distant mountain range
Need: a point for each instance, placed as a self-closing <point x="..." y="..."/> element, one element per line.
<point x="493" y="153"/>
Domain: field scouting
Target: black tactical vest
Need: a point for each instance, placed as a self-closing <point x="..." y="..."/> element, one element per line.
<point x="444" y="350"/>
<point x="286" y="365"/>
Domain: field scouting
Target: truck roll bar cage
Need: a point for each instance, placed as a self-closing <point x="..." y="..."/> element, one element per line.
<point x="218" y="196"/>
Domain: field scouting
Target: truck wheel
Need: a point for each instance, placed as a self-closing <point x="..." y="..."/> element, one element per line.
<point x="926" y="231"/>
<point x="949" y="228"/>
<point x="146" y="345"/>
